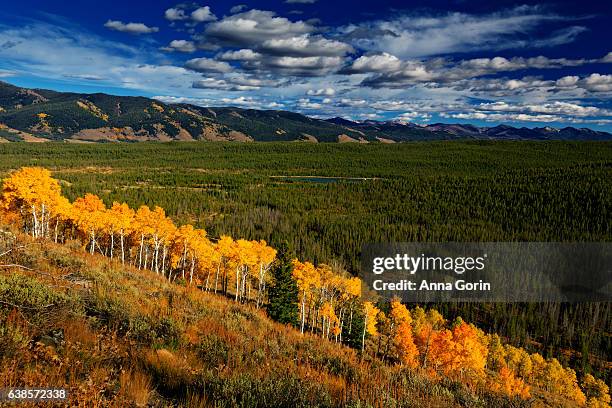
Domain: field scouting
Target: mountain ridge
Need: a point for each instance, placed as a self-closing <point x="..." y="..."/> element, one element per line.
<point x="37" y="115"/>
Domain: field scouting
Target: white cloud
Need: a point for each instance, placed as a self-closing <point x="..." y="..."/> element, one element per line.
<point x="180" y="45"/>
<point x="296" y="66"/>
<point x="375" y="63"/>
<point x="597" y="83"/>
<point x="413" y="116"/>
<point x="321" y="92"/>
<point x="130" y="28"/>
<point x="253" y="27"/>
<point x="175" y="14"/>
<point x="208" y="65"/>
<point x="244" y="54"/>
<point x="235" y="83"/>
<point x="203" y="15"/>
<point x="305" y="46"/>
<point x="567" y="81"/>
<point x="306" y="103"/>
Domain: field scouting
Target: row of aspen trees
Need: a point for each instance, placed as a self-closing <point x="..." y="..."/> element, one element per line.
<point x="329" y="302"/>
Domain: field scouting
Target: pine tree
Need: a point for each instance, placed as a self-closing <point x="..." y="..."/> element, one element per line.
<point x="283" y="295"/>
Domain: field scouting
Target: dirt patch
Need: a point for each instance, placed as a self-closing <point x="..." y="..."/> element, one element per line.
<point x="383" y="140"/>
<point x="346" y="139"/>
<point x="25" y="136"/>
<point x="310" y="138"/>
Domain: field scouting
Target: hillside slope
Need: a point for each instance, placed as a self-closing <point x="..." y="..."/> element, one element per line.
<point x="153" y="330"/>
<point x="115" y="336"/>
<point x="36" y="115"/>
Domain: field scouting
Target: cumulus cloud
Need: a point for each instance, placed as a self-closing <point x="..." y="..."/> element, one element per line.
<point x="130" y="28"/>
<point x="253" y="27"/>
<point x="208" y="65"/>
<point x="244" y="54"/>
<point x="305" y="46"/>
<point x="191" y="13"/>
<point x="175" y="14"/>
<point x="180" y="45"/>
<point x="384" y="62"/>
<point x="203" y="15"/>
<point x="598" y="83"/>
<point x="300" y="66"/>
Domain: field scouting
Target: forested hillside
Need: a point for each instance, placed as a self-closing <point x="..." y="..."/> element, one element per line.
<point x="190" y="354"/>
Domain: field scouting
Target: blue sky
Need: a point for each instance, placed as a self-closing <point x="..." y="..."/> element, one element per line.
<point x="525" y="64"/>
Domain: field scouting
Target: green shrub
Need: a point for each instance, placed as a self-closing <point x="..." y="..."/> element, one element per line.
<point x="213" y="351"/>
<point x="35" y="300"/>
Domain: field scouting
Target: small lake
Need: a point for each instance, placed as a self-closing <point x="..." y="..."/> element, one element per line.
<point x="321" y="179"/>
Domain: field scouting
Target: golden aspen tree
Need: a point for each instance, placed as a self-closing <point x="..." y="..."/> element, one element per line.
<point x="61" y="216"/>
<point x="223" y="251"/>
<point x="425" y="326"/>
<point x="179" y="250"/>
<point x="200" y="250"/>
<point x="352" y="294"/>
<point x="369" y="324"/>
<point x="245" y="259"/>
<point x="143" y="229"/>
<point x="161" y="231"/>
<point x="264" y="255"/>
<point x="496" y="359"/>
<point x="123" y="217"/>
<point x="596" y="391"/>
<point x="34" y="196"/>
<point x="404" y="343"/>
<point x="506" y="383"/>
<point x="307" y="279"/>
<point x="328" y="319"/>
<point x="88" y="213"/>
<point x="538" y="375"/>
<point x="518" y="361"/>
<point x="399" y="315"/>
<point x="472" y="351"/>
<point x="561" y="381"/>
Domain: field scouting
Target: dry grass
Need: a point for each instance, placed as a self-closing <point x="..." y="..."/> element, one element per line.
<point x="136" y="387"/>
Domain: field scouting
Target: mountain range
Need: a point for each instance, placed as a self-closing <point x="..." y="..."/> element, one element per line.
<point x="37" y="115"/>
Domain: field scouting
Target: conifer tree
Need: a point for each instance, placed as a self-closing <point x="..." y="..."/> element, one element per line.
<point x="283" y="296"/>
